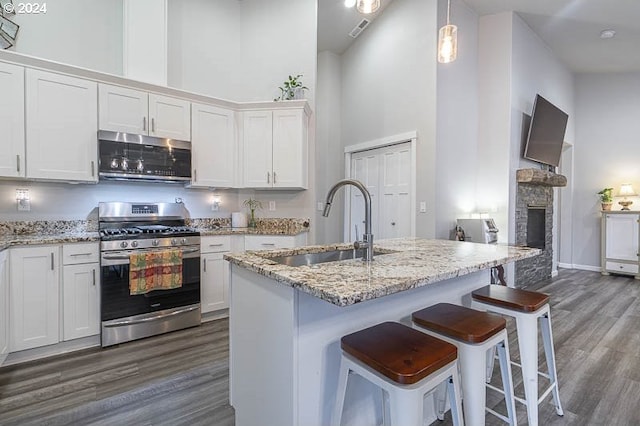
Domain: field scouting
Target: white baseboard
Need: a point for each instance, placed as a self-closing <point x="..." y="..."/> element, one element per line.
<point x="57" y="349"/>
<point x="554" y="273"/>
<point x="580" y="267"/>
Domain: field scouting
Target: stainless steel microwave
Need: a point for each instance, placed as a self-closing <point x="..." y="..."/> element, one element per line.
<point x="127" y="156"/>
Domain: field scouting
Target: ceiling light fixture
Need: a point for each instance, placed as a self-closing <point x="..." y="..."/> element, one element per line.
<point x="368" y="6"/>
<point x="349" y="3"/>
<point x="605" y="34"/>
<point x="448" y="40"/>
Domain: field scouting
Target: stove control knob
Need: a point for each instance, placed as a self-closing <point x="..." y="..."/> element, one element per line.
<point x="124" y="244"/>
<point x="183" y="241"/>
<point x="134" y="244"/>
<point x="155" y="243"/>
<point x="174" y="242"/>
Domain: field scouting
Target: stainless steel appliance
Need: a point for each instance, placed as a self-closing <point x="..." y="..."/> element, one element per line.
<point x="479" y="230"/>
<point x="127" y="156"/>
<point x="128" y="228"/>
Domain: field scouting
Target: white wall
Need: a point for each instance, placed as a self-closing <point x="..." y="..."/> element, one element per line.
<point x="85" y="33"/>
<point x="457" y="123"/>
<point x="606" y="153"/>
<point x="204" y="39"/>
<point x="389" y="88"/>
<point x="329" y="149"/>
<point x="515" y="65"/>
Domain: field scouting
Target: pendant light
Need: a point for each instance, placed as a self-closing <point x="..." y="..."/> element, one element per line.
<point x="448" y="40"/>
<point x="367" y="6"/>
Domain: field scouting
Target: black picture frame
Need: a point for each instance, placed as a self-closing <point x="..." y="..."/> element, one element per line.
<point x="4" y="42"/>
<point x="8" y="28"/>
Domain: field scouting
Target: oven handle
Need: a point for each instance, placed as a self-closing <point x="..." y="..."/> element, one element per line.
<point x="153" y="318"/>
<point x="126" y="256"/>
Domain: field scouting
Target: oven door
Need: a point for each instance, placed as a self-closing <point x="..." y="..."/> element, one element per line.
<point x="116" y="300"/>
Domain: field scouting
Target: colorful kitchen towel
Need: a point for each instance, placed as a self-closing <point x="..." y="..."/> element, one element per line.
<point x="160" y="270"/>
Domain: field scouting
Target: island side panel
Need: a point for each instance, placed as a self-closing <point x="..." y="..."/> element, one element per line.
<point x="321" y="325"/>
<point x="262" y="350"/>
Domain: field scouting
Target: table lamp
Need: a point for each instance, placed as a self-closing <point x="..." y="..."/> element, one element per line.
<point x="626" y="190"/>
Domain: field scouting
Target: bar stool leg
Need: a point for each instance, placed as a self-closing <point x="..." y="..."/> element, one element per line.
<point x="547" y="340"/>
<point x="473" y="372"/>
<point x="406" y="407"/>
<point x="505" y="370"/>
<point x="343" y="378"/>
<point x="528" y="344"/>
<point x="453" y="385"/>
<point x="440" y="399"/>
<point x="491" y="356"/>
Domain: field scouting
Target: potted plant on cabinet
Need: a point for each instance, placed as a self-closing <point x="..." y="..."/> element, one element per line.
<point x="606" y="198"/>
<point x="291" y="89"/>
<point x="252" y="205"/>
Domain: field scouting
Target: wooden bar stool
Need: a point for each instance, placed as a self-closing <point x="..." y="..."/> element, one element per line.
<point x="527" y="307"/>
<point x="474" y="333"/>
<point x="403" y="362"/>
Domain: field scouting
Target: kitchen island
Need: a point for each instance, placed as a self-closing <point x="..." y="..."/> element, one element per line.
<point x="286" y="321"/>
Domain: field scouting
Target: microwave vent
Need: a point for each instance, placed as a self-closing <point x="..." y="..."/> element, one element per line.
<point x="355" y="32"/>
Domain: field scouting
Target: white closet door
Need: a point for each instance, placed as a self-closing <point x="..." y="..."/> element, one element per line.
<point x="395" y="192"/>
<point x="365" y="168"/>
<point x="386" y="172"/>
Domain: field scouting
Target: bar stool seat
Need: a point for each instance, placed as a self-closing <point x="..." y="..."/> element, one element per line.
<point x="527" y="307"/>
<point x="405" y="363"/>
<point x="474" y="333"/>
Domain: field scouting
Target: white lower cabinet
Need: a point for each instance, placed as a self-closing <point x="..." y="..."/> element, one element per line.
<point x="620" y="243"/>
<point x="4" y="307"/>
<point x="34" y="297"/>
<point x="214" y="273"/>
<point x="80" y="291"/>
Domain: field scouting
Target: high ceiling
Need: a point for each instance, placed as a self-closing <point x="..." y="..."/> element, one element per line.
<point x="570" y="27"/>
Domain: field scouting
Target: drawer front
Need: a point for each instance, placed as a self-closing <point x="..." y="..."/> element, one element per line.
<point x="623" y="268"/>
<point x="215" y="244"/>
<point x="76" y="253"/>
<point x="268" y="242"/>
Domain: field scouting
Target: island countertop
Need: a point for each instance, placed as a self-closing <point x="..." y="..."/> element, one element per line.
<point x="409" y="263"/>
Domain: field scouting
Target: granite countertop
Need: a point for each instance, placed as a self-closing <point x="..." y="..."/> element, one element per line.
<point x="410" y="263"/>
<point x="205" y="232"/>
<point x="9" y="240"/>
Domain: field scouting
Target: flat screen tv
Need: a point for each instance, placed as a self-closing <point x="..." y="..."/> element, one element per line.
<point x="546" y="132"/>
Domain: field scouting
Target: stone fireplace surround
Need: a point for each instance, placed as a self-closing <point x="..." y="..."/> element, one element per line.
<point x="535" y="191"/>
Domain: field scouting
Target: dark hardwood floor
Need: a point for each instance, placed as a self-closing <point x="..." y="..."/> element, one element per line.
<point x="182" y="378"/>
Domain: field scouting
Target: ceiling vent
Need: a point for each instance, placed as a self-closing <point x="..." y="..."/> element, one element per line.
<point x="359" y="28"/>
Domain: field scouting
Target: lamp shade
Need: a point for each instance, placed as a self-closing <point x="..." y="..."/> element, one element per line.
<point x="367" y="6"/>
<point x="626" y="190"/>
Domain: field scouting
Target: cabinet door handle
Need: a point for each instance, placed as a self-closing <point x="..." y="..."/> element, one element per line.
<point x="269" y="244"/>
<point x="393" y="224"/>
<point x="80" y="254"/>
<point x="205" y="264"/>
<point x="93" y="271"/>
<point x="268" y="177"/>
<point x="153" y="125"/>
<point x="18" y="163"/>
<point x="274" y="178"/>
<point x="144" y="123"/>
<point x="195" y="175"/>
<point x="216" y="245"/>
<point x="93" y="168"/>
<point x="52" y="266"/>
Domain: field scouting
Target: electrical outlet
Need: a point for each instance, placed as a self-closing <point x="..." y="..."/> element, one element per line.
<point x="24" y="205"/>
<point x="272" y="206"/>
<point x="423" y="206"/>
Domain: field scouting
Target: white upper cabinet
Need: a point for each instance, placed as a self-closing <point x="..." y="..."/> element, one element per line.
<point x="134" y="111"/>
<point x="290" y="149"/>
<point x="123" y="110"/>
<point x="258" y="148"/>
<point x="213" y="147"/>
<point x="169" y="117"/>
<point x="275" y="149"/>
<point x="12" y="160"/>
<point x="61" y="124"/>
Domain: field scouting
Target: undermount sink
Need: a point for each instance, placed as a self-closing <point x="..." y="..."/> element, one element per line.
<point x="322" y="257"/>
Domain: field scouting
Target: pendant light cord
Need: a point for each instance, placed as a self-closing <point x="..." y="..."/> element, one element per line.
<point x="448" y="10"/>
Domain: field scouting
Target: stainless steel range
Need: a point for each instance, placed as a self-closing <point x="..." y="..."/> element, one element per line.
<point x="126" y="231"/>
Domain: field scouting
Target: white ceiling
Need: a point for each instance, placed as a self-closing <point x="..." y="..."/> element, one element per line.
<point x="570" y="27"/>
